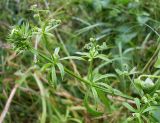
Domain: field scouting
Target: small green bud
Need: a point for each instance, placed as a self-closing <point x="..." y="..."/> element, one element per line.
<point x="148" y="84"/>
<point x="54" y="22"/>
<point x="138" y="82"/>
<point x="36" y="16"/>
<point x="33" y="7"/>
<point x="144" y="99"/>
<point x="129" y="119"/>
<point x="92" y="39"/>
<point x="20" y="37"/>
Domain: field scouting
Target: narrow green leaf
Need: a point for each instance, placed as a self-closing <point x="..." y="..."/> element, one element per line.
<point x="91" y="110"/>
<point x="75" y="120"/>
<point x="61" y="68"/>
<point x="129" y="107"/>
<point x="72" y="57"/>
<point x="156" y="114"/>
<point x="82" y="53"/>
<point x="95" y="95"/>
<point x="138" y="104"/>
<point x="104" y="85"/>
<point x="119" y="93"/>
<point x="90" y="27"/>
<point x="45" y="57"/>
<point x="49" y="34"/>
<point x="103" y="77"/>
<point x="103" y="97"/>
<point x="45" y="66"/>
<point x="149" y="109"/>
<point x="53" y="75"/>
<point x="157" y="64"/>
<point x="103" y="57"/>
<point x="56" y="51"/>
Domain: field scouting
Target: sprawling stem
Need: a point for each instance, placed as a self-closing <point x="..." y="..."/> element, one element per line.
<point x="76" y="76"/>
<point x="150" y="76"/>
<point x="95" y="85"/>
<point x="83" y="80"/>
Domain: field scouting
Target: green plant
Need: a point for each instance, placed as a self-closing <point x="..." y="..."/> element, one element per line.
<point x="96" y="86"/>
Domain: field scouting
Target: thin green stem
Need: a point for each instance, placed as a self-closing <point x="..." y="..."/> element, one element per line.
<point x="139" y="119"/>
<point x="150" y="76"/>
<point x="76" y="76"/>
<point x="134" y="85"/>
<point x="151" y="59"/>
